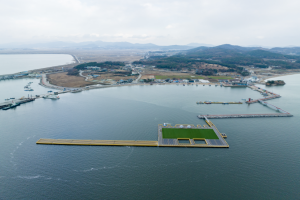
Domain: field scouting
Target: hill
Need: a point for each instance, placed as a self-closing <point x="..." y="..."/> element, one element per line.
<point x="234" y="58"/>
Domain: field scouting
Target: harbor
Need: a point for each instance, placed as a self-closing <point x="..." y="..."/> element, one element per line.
<point x="269" y="95"/>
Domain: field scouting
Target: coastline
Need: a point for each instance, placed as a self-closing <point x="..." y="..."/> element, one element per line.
<point x="271" y="77"/>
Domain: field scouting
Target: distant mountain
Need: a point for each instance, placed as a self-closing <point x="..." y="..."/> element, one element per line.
<point x="199" y="45"/>
<point x="93" y="45"/>
<point x="287" y="50"/>
<point x="235" y="47"/>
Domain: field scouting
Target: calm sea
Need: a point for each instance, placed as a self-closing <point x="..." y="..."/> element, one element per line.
<point x="13" y="63"/>
<point x="262" y="161"/>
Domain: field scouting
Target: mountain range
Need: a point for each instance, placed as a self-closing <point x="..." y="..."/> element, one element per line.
<point x="98" y="45"/>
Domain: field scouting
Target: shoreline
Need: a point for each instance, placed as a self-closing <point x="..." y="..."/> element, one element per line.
<point x="265" y="79"/>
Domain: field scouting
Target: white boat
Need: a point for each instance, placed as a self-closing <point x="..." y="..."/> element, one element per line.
<point x="51" y="96"/>
<point x="28" y="89"/>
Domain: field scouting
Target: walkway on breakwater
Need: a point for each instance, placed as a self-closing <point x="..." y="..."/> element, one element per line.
<point x="244" y="116"/>
<point x="99" y="142"/>
<point x="270" y="95"/>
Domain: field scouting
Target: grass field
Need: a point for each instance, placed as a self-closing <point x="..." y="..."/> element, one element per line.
<point x="173" y="133"/>
<point x="178" y="77"/>
<point x="220" y="77"/>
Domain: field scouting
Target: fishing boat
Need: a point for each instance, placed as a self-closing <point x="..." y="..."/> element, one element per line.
<point x="28" y="89"/>
<point x="51" y="96"/>
<point x="74" y="91"/>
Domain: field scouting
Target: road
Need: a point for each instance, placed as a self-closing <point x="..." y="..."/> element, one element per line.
<point x="76" y="59"/>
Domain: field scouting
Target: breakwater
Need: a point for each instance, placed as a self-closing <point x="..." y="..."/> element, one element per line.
<point x="17" y="101"/>
<point x="244" y="116"/>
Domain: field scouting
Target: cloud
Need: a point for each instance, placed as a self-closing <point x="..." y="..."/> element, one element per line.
<point x="165" y="22"/>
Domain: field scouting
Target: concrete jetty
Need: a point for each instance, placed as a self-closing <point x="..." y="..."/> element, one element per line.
<point x="244" y="116"/>
<point x="18" y="101"/>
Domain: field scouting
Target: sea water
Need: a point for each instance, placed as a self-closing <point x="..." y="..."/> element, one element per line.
<point x="262" y="161"/>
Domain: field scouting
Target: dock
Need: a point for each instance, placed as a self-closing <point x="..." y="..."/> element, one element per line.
<point x="17" y="101"/>
<point x="219" y="102"/>
<point x="244" y="116"/>
<point x="218" y="140"/>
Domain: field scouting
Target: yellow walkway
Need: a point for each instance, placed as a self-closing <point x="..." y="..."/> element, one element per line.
<point x="99" y="142"/>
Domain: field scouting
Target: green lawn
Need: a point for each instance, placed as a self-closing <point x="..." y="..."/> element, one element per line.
<point x="220" y="77"/>
<point x="173" y="133"/>
<point x="179" y="77"/>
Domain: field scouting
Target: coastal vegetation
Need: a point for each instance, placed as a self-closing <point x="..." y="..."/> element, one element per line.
<point x="107" y="64"/>
<point x="73" y="72"/>
<point x="273" y="82"/>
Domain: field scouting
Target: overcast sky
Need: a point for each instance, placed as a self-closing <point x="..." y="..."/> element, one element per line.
<point x="162" y="22"/>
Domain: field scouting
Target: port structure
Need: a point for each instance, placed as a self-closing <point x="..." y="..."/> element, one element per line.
<point x="168" y="136"/>
<point x="269" y="96"/>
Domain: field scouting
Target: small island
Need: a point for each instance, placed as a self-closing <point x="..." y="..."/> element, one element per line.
<point x="275" y="83"/>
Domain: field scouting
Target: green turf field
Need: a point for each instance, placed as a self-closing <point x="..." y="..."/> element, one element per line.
<point x="220" y="77"/>
<point x="173" y="133"/>
<point x="179" y="77"/>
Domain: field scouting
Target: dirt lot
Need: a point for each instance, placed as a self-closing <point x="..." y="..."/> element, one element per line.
<point x="64" y="80"/>
<point x="149" y="76"/>
<point x="211" y="66"/>
<point x="110" y="75"/>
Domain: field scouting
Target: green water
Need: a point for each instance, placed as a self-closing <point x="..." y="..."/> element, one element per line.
<point x="262" y="161"/>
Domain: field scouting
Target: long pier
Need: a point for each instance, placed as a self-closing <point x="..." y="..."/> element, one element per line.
<point x="98" y="142"/>
<point x="244" y="116"/>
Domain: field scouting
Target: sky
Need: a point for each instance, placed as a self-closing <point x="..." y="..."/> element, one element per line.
<point x="162" y="22"/>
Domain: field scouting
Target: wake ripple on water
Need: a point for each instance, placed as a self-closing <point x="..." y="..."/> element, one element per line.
<point x="118" y="165"/>
<point x="111" y="167"/>
<point x="30" y="177"/>
<point x="14" y="151"/>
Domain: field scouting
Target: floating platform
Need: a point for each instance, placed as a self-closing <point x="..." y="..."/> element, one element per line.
<point x="191" y="135"/>
<point x="168" y="136"/>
